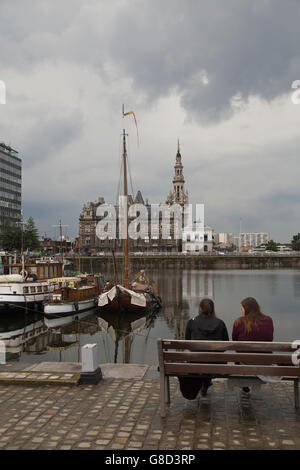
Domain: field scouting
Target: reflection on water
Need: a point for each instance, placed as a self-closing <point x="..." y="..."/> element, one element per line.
<point x="123" y="329"/>
<point x="30" y="337"/>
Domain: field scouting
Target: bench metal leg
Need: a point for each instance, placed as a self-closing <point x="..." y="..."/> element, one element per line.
<point x="162" y="396"/>
<point x="167" y="389"/>
<point x="296" y="393"/>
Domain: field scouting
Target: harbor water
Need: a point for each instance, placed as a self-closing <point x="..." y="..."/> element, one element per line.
<point x="122" y="338"/>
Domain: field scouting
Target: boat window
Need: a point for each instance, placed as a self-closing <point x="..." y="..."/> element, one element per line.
<point x="42" y="274"/>
<point x="32" y="289"/>
<point x="25" y="290"/>
<point x="39" y="288"/>
<point x="45" y="288"/>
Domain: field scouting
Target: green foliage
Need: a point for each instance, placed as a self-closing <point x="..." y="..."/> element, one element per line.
<point x="271" y="246"/>
<point x="31" y="235"/>
<point x="11" y="236"/>
<point x="296" y="242"/>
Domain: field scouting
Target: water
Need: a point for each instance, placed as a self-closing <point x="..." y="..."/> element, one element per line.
<point x="133" y="338"/>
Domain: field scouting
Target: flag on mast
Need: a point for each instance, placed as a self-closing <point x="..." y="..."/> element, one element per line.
<point x="131" y="112"/>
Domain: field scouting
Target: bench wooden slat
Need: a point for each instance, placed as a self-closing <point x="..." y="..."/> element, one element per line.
<point x="259" y="358"/>
<point x="177" y="368"/>
<point x="193" y="345"/>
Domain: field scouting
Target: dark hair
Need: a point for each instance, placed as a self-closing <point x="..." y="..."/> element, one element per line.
<point x="207" y="308"/>
<point x="253" y="313"/>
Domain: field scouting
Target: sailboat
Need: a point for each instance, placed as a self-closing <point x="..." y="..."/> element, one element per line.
<point x="140" y="295"/>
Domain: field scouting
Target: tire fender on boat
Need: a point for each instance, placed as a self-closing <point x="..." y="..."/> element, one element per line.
<point x="24" y="273"/>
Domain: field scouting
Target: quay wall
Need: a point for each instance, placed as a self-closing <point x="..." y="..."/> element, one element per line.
<point x="200" y="262"/>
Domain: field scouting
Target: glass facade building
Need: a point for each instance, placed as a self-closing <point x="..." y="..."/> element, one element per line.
<point x="10" y="185"/>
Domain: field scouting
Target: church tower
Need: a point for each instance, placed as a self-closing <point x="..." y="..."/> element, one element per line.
<point x="178" y="195"/>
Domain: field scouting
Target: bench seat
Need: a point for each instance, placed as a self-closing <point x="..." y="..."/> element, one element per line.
<point x="233" y="360"/>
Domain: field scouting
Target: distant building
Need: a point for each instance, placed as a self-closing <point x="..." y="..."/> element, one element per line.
<point x="253" y="239"/>
<point x="225" y="238"/>
<point x="88" y="220"/>
<point x="197" y="241"/>
<point x="10" y="185"/>
<point x="54" y="246"/>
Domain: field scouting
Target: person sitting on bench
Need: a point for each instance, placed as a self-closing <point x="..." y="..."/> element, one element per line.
<point x="206" y="326"/>
<point x="252" y="326"/>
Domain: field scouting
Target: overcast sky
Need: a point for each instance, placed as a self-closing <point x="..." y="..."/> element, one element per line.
<point x="215" y="74"/>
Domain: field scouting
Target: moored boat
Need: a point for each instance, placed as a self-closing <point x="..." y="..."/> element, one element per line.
<point x="27" y="284"/>
<point x="79" y="295"/>
<point x="139" y="295"/>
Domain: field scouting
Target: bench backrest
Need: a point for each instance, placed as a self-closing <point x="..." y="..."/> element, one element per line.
<point x="182" y="357"/>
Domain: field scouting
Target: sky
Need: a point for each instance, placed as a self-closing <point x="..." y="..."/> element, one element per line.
<point x="216" y="75"/>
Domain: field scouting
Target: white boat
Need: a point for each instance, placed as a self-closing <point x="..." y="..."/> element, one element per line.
<point x="66" y="308"/>
<point x="52" y="321"/>
<point x="78" y="296"/>
<point x="28" y="284"/>
<point x="17" y="291"/>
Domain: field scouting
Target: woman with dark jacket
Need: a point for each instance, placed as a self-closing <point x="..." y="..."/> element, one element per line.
<point x="206" y="326"/>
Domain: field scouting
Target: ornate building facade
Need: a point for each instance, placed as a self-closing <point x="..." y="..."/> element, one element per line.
<point x="88" y="220"/>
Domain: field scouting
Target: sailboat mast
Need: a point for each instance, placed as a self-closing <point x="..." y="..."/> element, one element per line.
<point x="126" y="282"/>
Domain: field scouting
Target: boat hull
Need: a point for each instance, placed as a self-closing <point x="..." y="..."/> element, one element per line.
<point x="119" y="299"/>
<point x="58" y="309"/>
<point x="58" y="321"/>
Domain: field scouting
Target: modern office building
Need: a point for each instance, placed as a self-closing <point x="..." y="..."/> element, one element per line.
<point x="10" y="185"/>
<point x="254" y="239"/>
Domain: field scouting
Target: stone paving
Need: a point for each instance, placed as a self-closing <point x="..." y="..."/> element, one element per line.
<point x="124" y="414"/>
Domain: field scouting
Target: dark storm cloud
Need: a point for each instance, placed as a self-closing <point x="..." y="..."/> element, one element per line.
<point x="52" y="133"/>
<point x="69" y="64"/>
<point x="210" y="52"/>
<point x="238" y="48"/>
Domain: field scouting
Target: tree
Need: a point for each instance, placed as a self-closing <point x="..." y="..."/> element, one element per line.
<point x="296" y="242"/>
<point x="31" y="235"/>
<point x="11" y="236"/>
<point x="271" y="246"/>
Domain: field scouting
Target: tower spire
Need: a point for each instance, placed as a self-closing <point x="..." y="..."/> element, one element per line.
<point x="178" y="195"/>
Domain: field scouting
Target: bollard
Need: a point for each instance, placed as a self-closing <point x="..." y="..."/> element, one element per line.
<point x="91" y="372"/>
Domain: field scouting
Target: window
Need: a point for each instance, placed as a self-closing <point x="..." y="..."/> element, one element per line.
<point x="25" y="290"/>
<point x="32" y="289"/>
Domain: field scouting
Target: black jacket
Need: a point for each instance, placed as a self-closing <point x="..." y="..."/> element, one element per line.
<point x="206" y="328"/>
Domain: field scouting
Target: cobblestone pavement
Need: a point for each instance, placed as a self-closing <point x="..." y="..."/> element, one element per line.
<point x="124" y="414"/>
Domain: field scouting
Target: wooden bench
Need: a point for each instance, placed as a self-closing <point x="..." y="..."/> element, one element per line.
<point x="191" y="358"/>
